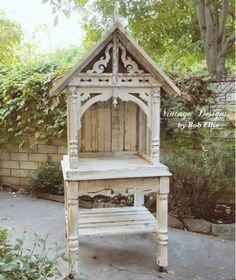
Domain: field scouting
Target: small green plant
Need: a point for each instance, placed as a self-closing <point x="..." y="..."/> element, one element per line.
<point x="47" y="179"/>
<point x="16" y="263"/>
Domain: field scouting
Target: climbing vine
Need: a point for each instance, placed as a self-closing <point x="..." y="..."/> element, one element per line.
<point x="28" y="114"/>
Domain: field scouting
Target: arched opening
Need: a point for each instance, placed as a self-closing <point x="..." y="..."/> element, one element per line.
<point x="106" y="129"/>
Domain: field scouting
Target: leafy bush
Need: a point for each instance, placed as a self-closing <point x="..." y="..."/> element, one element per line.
<point x="47" y="179"/>
<point x="197" y="178"/>
<point x="28" y="114"/>
<point x="31" y="264"/>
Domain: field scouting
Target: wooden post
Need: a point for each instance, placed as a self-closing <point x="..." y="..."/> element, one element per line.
<point x="66" y="208"/>
<point x="139" y="198"/>
<point x="72" y="227"/>
<point x="155" y="131"/>
<point x="72" y="127"/>
<point x="162" y="222"/>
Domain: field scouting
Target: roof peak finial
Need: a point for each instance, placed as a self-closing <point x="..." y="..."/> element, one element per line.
<point x="116" y="11"/>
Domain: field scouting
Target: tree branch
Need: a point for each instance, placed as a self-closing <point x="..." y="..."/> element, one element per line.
<point x="223" y="17"/>
<point x="229" y="42"/>
<point x="200" y="6"/>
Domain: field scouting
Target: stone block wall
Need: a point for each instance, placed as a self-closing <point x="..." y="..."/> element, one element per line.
<point x="17" y="164"/>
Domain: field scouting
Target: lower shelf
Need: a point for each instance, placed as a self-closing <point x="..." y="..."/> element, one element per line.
<point x="120" y="220"/>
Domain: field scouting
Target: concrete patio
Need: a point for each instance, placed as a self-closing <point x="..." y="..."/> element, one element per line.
<point x="191" y="256"/>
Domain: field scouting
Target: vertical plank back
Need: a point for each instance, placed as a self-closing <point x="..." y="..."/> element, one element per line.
<point x="105" y="128"/>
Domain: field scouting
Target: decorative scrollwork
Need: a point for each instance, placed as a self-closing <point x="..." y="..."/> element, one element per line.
<point x="84" y="96"/>
<point x="101" y="64"/>
<point x="73" y="148"/>
<point x="143" y="81"/>
<point x="144" y="96"/>
<point x="130" y="65"/>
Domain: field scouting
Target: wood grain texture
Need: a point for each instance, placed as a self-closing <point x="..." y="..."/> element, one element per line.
<point x="110" y="221"/>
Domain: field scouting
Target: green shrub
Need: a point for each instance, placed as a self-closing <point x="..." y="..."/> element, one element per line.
<point x="28" y="114"/>
<point x="31" y="264"/>
<point x="197" y="178"/>
<point x="47" y="179"/>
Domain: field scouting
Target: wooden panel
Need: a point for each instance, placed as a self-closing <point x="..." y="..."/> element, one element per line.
<point x="104" y="126"/>
<point x="118" y="127"/>
<point x="85" y="131"/>
<point x="95" y="132"/>
<point x="142" y="131"/>
<point x="109" y="221"/>
<point x="112" y="188"/>
<point x="130" y="126"/>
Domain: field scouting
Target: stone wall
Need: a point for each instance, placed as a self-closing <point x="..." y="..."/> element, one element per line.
<point x="17" y="164"/>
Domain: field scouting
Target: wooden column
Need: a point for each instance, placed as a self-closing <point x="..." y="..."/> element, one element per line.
<point x="72" y="127"/>
<point x="72" y="227"/>
<point x="155" y="126"/>
<point x="162" y="222"/>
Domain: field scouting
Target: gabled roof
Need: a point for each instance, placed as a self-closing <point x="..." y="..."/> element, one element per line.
<point x="132" y="46"/>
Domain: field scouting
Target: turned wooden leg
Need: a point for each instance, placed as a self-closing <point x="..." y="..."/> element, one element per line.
<point x="66" y="207"/>
<point x="162" y="223"/>
<point x="138" y="198"/>
<point x="72" y="234"/>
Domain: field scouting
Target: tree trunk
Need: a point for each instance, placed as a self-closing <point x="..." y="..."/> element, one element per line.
<point x="213" y="36"/>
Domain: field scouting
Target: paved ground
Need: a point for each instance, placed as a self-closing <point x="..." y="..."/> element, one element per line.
<point x="191" y="256"/>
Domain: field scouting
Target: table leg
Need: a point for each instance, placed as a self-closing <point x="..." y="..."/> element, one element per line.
<point x="72" y="234"/>
<point x="66" y="209"/>
<point x="162" y="223"/>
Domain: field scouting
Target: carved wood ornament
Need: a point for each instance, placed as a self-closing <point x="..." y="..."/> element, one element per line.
<point x="126" y="138"/>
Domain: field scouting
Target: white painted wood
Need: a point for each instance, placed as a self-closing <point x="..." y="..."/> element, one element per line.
<point x="142" y="130"/>
<point x="72" y="226"/>
<point x="126" y="40"/>
<point x="104" y="126"/>
<point x="130" y="126"/>
<point x="111" y="187"/>
<point x="113" y="210"/>
<point x="144" y="156"/>
<point x="155" y="130"/>
<point x="138" y="198"/>
<point x="113" y="168"/>
<point x="125" y="96"/>
<point x="162" y="221"/>
<point x="118" y="118"/>
<point x="98" y="98"/>
<point x="110" y="221"/>
<point x="118" y="127"/>
<point x="73" y="127"/>
<point x="101" y="64"/>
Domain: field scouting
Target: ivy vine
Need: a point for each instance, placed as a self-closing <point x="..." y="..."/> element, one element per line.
<point x="28" y="115"/>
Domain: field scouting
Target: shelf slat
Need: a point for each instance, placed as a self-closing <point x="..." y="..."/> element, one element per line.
<point x="111" y="221"/>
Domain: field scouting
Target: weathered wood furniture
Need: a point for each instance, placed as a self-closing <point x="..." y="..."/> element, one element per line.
<point x="113" y="101"/>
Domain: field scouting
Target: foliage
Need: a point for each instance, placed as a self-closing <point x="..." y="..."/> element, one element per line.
<point x="31" y="264"/>
<point x="198" y="94"/>
<point x="27" y="113"/>
<point x="168" y="30"/>
<point x="197" y="178"/>
<point x="66" y="57"/>
<point x="10" y="37"/>
<point x="47" y="179"/>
